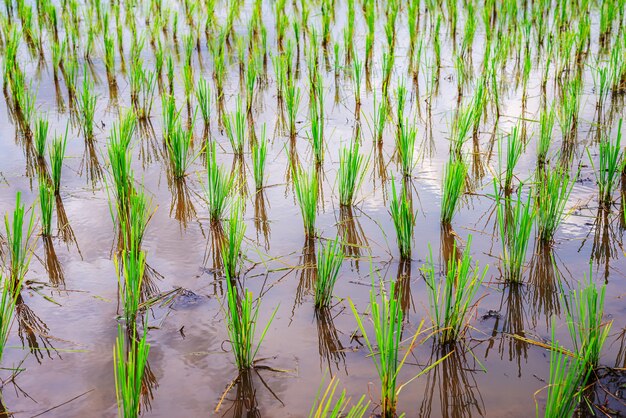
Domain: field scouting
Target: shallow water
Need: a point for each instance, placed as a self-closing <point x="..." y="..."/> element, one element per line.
<point x="67" y="359"/>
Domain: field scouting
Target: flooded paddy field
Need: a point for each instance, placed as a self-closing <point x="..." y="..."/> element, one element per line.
<point x="457" y="165"/>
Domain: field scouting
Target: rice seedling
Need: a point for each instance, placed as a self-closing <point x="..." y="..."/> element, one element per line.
<point x="57" y="154"/>
<point x="609" y="165"/>
<point x="188" y="81"/>
<point x="352" y="167"/>
<point x="357" y="77"/>
<point x="87" y="104"/>
<point x="403" y="219"/>
<point x="235" y="126"/>
<point x="170" y="113"/>
<point x="546" y="123"/>
<point x="41" y="136"/>
<point x="9" y="294"/>
<point x="242" y="316"/>
<point x="454" y="177"/>
<point x="70" y="67"/>
<point x="585" y="309"/>
<point x="570" y="105"/>
<point x="19" y="240"/>
<point x="292" y="101"/>
<point x="120" y="161"/>
<point x="370" y="18"/>
<point x="178" y="145"/>
<point x="130" y="267"/>
<point x="306" y="189"/>
<point x="109" y="55"/>
<point x="601" y="83"/>
<point x="46" y="204"/>
<point x="453" y="299"/>
<point x="387" y="68"/>
<point x="231" y="248"/>
<point x="405" y="146"/>
<point x="514" y="149"/>
<point x="381" y="112"/>
<point x="552" y="190"/>
<point x="147" y="81"/>
<point x="219" y="184"/>
<point x="134" y="221"/>
<point x="515" y="222"/>
<point x="129" y="359"/>
<point x="326" y="406"/>
<point x="329" y="259"/>
<point x="401" y="93"/>
<point x="387" y="317"/>
<point x="566" y="376"/>
<point x="259" y="153"/>
<point x="437" y="42"/>
<point x="203" y="94"/>
<point x="317" y="125"/>
<point x="251" y="82"/>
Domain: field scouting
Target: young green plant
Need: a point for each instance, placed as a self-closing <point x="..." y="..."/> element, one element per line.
<point x="242" y="317"/>
<point x="219" y="184"/>
<point x="352" y="166"/>
<point x="329" y="259"/>
<point x="515" y="223"/>
<point x="306" y="190"/>
<point x="454" y="177"/>
<point x="452" y="300"/>
<point x="129" y="359"/>
<point x="403" y="219"/>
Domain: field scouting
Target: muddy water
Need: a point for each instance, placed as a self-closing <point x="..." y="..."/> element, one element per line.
<point x="69" y="313"/>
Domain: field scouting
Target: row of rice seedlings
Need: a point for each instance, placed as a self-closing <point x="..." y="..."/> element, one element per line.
<point x="242" y="317"/>
<point x="327" y="406"/>
<point x="57" y="154"/>
<point x="552" y="190"/>
<point x="609" y="166"/>
<point x="259" y="154"/>
<point x="307" y="190"/>
<point x="329" y="259"/>
<point x="352" y="167"/>
<point x="46" y="204"/>
<point x="231" y="246"/>
<point x="130" y="357"/>
<point x="20" y="243"/>
<point x="235" y="127"/>
<point x="219" y="185"/>
<point x="454" y="177"/>
<point x="403" y="219"/>
<point x="387" y="318"/>
<point x="453" y="299"/>
<point x="515" y="222"/>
